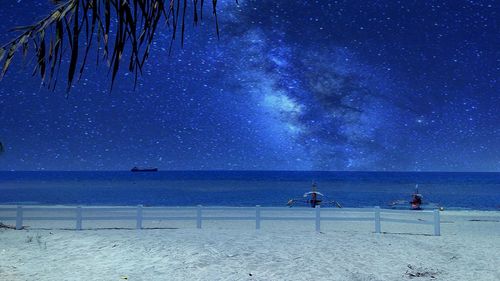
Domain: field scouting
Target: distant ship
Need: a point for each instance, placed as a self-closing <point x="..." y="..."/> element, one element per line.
<point x="137" y="169"/>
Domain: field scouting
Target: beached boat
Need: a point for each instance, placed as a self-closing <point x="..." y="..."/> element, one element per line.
<point x="313" y="198"/>
<point x="416" y="203"/>
<point x="137" y="169"/>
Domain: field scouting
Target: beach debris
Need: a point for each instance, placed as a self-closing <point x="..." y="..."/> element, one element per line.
<point x="6" y="226"/>
<point x="38" y="238"/>
<point x="29" y="239"/>
<point x="416" y="272"/>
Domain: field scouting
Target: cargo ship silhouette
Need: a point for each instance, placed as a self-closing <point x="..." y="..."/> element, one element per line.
<point x="137" y="169"/>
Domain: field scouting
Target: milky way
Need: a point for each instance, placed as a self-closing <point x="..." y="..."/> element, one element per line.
<point x="290" y="85"/>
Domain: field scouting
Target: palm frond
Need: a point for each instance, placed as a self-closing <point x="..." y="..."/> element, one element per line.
<point x="74" y="22"/>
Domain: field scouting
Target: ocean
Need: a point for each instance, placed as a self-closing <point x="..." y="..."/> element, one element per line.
<point x="478" y="191"/>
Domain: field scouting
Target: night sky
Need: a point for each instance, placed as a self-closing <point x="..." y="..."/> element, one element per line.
<point x="290" y="85"/>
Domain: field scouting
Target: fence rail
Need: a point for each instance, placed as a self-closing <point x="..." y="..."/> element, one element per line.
<point x="81" y="214"/>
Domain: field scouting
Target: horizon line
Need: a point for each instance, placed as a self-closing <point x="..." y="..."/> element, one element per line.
<point x="256" y="170"/>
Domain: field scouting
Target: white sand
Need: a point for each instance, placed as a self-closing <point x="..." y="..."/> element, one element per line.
<point x="468" y="249"/>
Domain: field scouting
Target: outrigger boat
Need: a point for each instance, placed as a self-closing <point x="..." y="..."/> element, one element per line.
<point x="416" y="202"/>
<point x="313" y="198"/>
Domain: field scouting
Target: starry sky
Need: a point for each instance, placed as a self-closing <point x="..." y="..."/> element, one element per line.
<point x="290" y="85"/>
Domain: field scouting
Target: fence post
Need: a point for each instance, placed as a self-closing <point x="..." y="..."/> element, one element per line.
<point x="257" y="217"/>
<point x="198" y="217"/>
<point x="19" y="217"/>
<point x="318" y="218"/>
<point x="138" y="222"/>
<point x="377" y="219"/>
<point x="79" y="218"/>
<point x="437" y="223"/>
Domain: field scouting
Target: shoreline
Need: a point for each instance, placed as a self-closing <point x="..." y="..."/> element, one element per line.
<point x="38" y="204"/>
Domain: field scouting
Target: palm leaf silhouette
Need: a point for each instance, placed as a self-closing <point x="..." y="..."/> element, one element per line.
<point x="79" y="24"/>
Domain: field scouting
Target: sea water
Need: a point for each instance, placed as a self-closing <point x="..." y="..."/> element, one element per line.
<point x="480" y="191"/>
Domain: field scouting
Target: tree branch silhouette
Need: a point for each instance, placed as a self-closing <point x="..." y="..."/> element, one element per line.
<point x="78" y="25"/>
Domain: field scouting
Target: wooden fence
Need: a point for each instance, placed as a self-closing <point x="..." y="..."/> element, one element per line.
<point x="137" y="214"/>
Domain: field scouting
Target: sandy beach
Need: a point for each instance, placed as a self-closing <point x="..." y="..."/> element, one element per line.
<point x="226" y="250"/>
